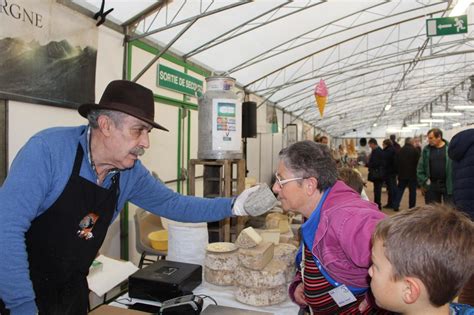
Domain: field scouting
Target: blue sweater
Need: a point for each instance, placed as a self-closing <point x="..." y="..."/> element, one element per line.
<point x="36" y="179"/>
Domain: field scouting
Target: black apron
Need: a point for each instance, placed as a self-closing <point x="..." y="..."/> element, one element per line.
<point x="65" y="239"/>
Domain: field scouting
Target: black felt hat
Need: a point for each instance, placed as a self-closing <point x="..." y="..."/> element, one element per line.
<point x="127" y="97"/>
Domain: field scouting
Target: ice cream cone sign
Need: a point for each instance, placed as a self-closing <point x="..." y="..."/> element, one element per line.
<point x="321" y="95"/>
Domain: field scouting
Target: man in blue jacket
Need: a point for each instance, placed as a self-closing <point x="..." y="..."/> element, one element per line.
<point x="67" y="185"/>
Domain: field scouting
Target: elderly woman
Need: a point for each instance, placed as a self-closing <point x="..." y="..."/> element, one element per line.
<point x="335" y="259"/>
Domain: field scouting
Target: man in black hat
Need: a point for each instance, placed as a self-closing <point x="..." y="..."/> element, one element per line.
<point x="67" y="185"/>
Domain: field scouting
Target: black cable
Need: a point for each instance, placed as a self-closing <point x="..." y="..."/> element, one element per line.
<point x="203" y="296"/>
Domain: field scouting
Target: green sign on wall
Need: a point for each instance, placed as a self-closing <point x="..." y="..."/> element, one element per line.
<point x="446" y="26"/>
<point x="177" y="81"/>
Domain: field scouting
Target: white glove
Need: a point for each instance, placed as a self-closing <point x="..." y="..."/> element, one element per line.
<point x="238" y="208"/>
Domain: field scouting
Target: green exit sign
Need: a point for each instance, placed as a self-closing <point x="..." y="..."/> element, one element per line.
<point x="446" y="26"/>
<point x="178" y="81"/>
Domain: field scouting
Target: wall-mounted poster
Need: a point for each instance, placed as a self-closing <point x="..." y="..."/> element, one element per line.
<point x="291" y="134"/>
<point x="48" y="53"/>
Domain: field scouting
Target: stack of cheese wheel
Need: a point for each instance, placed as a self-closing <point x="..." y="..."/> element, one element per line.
<point x="280" y="222"/>
<point x="286" y="253"/>
<point x="220" y="263"/>
<point x="260" y="279"/>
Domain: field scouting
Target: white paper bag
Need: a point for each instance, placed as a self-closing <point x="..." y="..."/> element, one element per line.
<point x="187" y="242"/>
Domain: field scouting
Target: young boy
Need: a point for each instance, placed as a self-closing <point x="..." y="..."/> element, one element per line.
<point x="421" y="259"/>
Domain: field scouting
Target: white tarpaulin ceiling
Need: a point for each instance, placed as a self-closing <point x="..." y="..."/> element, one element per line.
<point x="370" y="53"/>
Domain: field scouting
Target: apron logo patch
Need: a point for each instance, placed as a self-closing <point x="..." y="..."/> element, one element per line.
<point x="87" y="224"/>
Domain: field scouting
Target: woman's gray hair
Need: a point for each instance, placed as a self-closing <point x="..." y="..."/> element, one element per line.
<point x="116" y="116"/>
<point x="310" y="159"/>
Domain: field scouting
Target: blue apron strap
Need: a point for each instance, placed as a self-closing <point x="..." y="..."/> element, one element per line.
<point x="308" y="234"/>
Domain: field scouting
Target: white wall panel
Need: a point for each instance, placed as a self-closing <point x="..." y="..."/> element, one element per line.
<point x="109" y="59"/>
<point x="277" y="139"/>
<point x="25" y="120"/>
<point x="266" y="166"/>
<point x="253" y="157"/>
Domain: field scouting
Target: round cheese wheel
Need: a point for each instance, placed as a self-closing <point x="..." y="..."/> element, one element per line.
<point x="285" y="253"/>
<point x="261" y="297"/>
<point x="219" y="277"/>
<point x="222" y="261"/>
<point x="273" y="275"/>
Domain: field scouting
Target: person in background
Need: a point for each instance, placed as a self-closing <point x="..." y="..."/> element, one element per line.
<point x="64" y="189"/>
<point x="352" y="178"/>
<point x="335" y="252"/>
<point x="434" y="170"/>
<point x="461" y="152"/>
<point x="421" y="258"/>
<point x="417" y="144"/>
<point x="376" y="167"/>
<point x="390" y="179"/>
<point x="343" y="155"/>
<point x="407" y="162"/>
<point x="324" y="140"/>
<point x="395" y="144"/>
<point x="363" y="152"/>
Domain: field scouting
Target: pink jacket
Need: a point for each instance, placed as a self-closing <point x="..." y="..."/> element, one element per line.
<point x="342" y="240"/>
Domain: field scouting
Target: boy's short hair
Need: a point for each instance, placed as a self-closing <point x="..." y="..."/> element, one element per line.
<point x="433" y="243"/>
<point x="351" y="178"/>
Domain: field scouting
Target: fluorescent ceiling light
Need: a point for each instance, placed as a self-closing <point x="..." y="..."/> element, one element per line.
<point x="464" y="107"/>
<point x="431" y="120"/>
<point x="398" y="130"/>
<point x="446" y="114"/>
<point x="460" y="7"/>
<point x="417" y="125"/>
<point x="456" y="124"/>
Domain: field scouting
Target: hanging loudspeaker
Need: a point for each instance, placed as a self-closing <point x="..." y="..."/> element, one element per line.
<point x="249" y="120"/>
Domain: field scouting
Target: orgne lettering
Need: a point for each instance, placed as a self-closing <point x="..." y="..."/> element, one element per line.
<point x="25" y="15"/>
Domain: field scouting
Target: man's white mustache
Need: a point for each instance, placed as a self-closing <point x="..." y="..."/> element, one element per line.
<point x="138" y="151"/>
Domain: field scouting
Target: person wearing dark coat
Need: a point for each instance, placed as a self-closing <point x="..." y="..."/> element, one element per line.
<point x="407" y="162"/>
<point x="461" y="152"/>
<point x="376" y="170"/>
<point x="395" y="144"/>
<point x="390" y="179"/>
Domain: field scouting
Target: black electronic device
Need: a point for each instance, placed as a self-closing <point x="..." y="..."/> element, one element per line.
<point x="183" y="305"/>
<point x="249" y="120"/>
<point x="147" y="308"/>
<point x="164" y="280"/>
